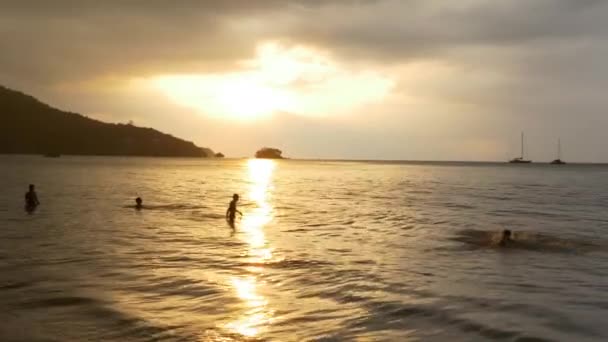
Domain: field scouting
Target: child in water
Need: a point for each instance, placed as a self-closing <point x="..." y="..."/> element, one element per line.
<point x="139" y="203"/>
<point x="232" y="210"/>
<point x="31" y="198"/>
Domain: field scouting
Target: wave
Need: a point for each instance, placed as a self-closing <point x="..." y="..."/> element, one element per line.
<point x="288" y="264"/>
<point x="168" y="207"/>
<point x="440" y="316"/>
<point x="525" y="240"/>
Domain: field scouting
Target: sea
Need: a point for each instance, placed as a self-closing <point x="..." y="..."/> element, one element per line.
<point x="324" y="251"/>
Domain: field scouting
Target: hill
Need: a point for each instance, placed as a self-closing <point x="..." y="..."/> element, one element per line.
<point x="269" y="153"/>
<point x="28" y="126"/>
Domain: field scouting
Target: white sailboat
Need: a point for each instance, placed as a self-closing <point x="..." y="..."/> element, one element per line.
<point x="559" y="160"/>
<point x="520" y="159"/>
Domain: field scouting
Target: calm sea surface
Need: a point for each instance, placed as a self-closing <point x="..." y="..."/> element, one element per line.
<point x="325" y="251"/>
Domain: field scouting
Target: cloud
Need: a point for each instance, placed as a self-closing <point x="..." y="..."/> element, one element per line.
<point x="468" y="67"/>
<point x="63" y="41"/>
<point x="51" y="41"/>
<point x="401" y="29"/>
<point x="70" y="40"/>
<point x="280" y="78"/>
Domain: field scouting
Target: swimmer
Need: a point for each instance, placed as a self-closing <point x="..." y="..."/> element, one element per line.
<point x="232" y="210"/>
<point x="138" y="203"/>
<point x="31" y="199"/>
<point x="506" y="238"/>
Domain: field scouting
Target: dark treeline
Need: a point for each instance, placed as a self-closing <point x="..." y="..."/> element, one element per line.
<point x="28" y="126"/>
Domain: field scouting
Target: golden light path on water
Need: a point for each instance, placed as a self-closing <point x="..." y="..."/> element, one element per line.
<point x="256" y="314"/>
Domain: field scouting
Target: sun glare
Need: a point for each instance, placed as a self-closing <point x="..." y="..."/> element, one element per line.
<point x="237" y="96"/>
<point x="297" y="80"/>
<point x="256" y="315"/>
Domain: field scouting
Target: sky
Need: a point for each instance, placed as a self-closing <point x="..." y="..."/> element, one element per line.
<point x="375" y="79"/>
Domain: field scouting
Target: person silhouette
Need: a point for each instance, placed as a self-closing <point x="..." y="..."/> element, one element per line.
<point x="232" y="210"/>
<point x="506" y="238"/>
<point x="31" y="198"/>
<point x="139" y="203"/>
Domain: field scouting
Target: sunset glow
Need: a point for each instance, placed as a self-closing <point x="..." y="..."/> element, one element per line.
<point x="298" y="80"/>
<point x="303" y="170"/>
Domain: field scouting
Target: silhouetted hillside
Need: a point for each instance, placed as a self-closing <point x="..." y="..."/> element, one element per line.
<point x="30" y="126"/>
<point x="269" y="153"/>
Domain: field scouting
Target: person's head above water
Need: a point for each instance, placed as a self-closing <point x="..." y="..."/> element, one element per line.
<point x="139" y="201"/>
<point x="235" y="197"/>
<point x="506" y="237"/>
<point x="32" y="186"/>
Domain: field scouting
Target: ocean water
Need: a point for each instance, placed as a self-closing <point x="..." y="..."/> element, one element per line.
<point x="325" y="251"/>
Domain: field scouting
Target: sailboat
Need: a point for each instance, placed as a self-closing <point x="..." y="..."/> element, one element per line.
<point x="520" y="159"/>
<point x="558" y="161"/>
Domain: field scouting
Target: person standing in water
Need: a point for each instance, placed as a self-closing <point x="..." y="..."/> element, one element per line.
<point x="31" y="198"/>
<point x="139" y="203"/>
<point x="232" y="210"/>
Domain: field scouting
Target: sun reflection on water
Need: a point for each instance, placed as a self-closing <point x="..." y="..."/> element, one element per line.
<point x="256" y="315"/>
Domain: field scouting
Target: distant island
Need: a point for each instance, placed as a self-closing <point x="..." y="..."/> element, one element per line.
<point x="28" y="126"/>
<point x="219" y="155"/>
<point x="269" y="153"/>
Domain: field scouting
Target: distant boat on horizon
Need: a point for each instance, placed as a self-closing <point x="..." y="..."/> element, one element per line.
<point x="520" y="159"/>
<point x="559" y="160"/>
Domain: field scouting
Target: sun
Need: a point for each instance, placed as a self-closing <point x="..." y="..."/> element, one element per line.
<point x="247" y="98"/>
<point x="239" y="96"/>
<point x="298" y="80"/>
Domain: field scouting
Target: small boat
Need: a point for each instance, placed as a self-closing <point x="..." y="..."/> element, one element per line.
<point x="520" y="159"/>
<point x="559" y="160"/>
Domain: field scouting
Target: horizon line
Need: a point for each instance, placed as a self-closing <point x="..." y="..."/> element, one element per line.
<point x="316" y="159"/>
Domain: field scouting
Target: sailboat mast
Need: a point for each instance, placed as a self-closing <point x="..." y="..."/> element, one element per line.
<point x="559" y="149"/>
<point x="522" y="145"/>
